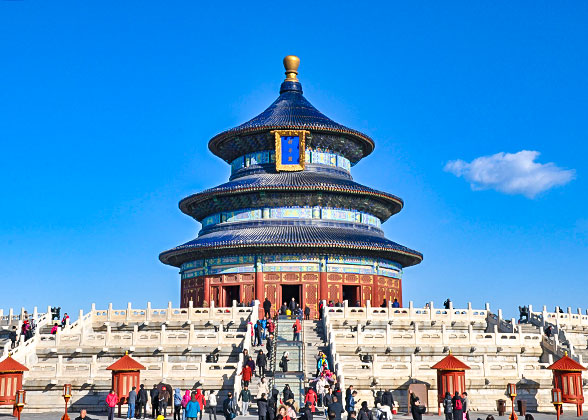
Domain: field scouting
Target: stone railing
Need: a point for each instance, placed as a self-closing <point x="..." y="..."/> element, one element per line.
<point x="136" y="338"/>
<point x="380" y="368"/>
<point x="369" y="313"/>
<point x="336" y="366"/>
<point x="246" y="346"/>
<point x="58" y="369"/>
<point x="130" y="314"/>
<point x="445" y="337"/>
<point x="25" y="349"/>
<point x="564" y="319"/>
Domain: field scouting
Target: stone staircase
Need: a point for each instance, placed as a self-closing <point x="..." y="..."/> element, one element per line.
<point x="314" y="341"/>
<point x="295" y="375"/>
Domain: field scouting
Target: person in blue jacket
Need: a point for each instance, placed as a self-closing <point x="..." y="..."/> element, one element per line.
<point x="193" y="408"/>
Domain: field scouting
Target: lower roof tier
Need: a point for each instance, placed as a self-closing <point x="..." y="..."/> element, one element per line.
<point x="281" y="189"/>
<point x="288" y="238"/>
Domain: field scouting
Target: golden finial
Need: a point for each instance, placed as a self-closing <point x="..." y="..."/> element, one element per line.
<point x="126" y="353"/>
<point x="291" y="63"/>
<point x="565" y="353"/>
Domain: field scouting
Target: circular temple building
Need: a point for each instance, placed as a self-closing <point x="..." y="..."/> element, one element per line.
<point x="291" y="222"/>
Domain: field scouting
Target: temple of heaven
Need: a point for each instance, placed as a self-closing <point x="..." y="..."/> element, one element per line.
<point x="291" y="222"/>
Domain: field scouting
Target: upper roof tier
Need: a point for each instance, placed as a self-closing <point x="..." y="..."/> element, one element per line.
<point x="291" y="111"/>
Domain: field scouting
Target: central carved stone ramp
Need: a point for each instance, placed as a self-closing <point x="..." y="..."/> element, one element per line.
<point x="295" y="375"/>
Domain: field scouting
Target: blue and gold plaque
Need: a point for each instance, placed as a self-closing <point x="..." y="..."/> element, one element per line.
<point x="290" y="149"/>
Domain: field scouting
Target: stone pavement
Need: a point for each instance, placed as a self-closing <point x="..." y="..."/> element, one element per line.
<point x="402" y="416"/>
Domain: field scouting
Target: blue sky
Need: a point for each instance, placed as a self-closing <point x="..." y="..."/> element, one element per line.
<point x="106" y="109"/>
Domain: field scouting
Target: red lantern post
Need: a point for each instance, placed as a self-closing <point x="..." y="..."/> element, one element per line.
<point x="511" y="391"/>
<point x="450" y="377"/>
<point x="19" y="402"/>
<point x="556" y="400"/>
<point x="66" y="398"/>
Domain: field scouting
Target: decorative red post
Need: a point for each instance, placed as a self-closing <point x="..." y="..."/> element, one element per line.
<point x="450" y="377"/>
<point x="19" y="401"/>
<point x="126" y="374"/>
<point x="66" y="397"/>
<point x="567" y="377"/>
<point x="556" y="400"/>
<point x="511" y="391"/>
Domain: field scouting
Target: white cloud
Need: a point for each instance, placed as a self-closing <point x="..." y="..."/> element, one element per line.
<point x="511" y="173"/>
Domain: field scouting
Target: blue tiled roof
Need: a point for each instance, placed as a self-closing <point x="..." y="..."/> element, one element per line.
<point x="288" y="236"/>
<point x="292" y="181"/>
<point x="291" y="111"/>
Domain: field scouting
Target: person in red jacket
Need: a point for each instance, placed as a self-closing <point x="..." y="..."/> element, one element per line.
<point x="246" y="374"/>
<point x="201" y="401"/>
<point x="311" y="398"/>
<point x="111" y="401"/>
<point x="297" y="327"/>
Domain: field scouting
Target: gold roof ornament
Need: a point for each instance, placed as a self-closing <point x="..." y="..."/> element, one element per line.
<point x="291" y="63"/>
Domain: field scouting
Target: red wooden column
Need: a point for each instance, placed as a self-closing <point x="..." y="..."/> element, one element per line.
<point x="567" y="377"/>
<point x="323" y="289"/>
<point x="126" y="374"/>
<point x="450" y="377"/>
<point x="259" y="292"/>
<point x="10" y="380"/>
<point x="207" y="292"/>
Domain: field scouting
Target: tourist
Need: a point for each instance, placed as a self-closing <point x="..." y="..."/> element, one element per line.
<point x="211" y="406"/>
<point x="292" y="305"/>
<point x="283" y="309"/>
<point x="348" y="393"/>
<point x="185" y="400"/>
<point x="272" y="404"/>
<point x="311" y="398"/>
<point x="245" y="355"/>
<point x="388" y="399"/>
<point x="141" y="402"/>
<point x="54" y="328"/>
<point x="396" y="304"/>
<point x="245" y="398"/>
<point x="246" y="375"/>
<point x="192" y="408"/>
<point x="284" y="362"/>
<point x="321" y="385"/>
<point x="307" y="313"/>
<point x="283" y="412"/>
<point x="251" y="365"/>
<point x="261" y="363"/>
<point x="229" y="410"/>
<point x="13" y="337"/>
<point x="466" y="405"/>
<point x="417" y="409"/>
<point x="364" y="413"/>
<point x="322" y="363"/>
<point x="457" y="402"/>
<point x="262" y="407"/>
<point x="337" y="393"/>
<point x="384" y="304"/>
<point x="131" y="401"/>
<point x="83" y="415"/>
<point x="177" y="404"/>
<point x="64" y="320"/>
<point x="263" y="329"/>
<point x="307" y="411"/>
<point x="163" y="400"/>
<point x="201" y="400"/>
<point x="269" y="345"/>
<point x="338" y="304"/>
<point x="384" y="412"/>
<point x="267" y="306"/>
<point x="327" y="399"/>
<point x="262" y="388"/>
<point x="336" y="408"/>
<point x="111" y="402"/>
<point x="297" y="327"/>
<point x="287" y="394"/>
<point x="350" y="403"/>
<point x="353" y="416"/>
<point x="321" y="307"/>
<point x="448" y="406"/>
<point x="154" y="394"/>
<point x="447" y="304"/>
<point x="331" y="304"/>
<point x="271" y="326"/>
<point x="290" y="410"/>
